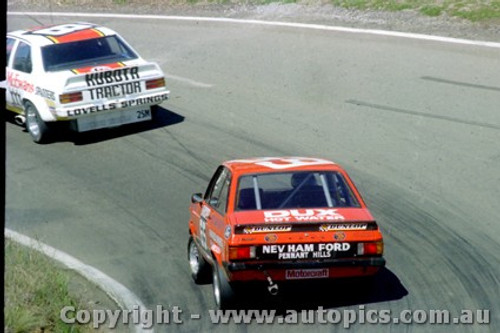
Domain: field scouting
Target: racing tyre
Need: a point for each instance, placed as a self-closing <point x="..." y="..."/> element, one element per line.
<point x="223" y="291"/>
<point x="200" y="269"/>
<point x="35" y="126"/>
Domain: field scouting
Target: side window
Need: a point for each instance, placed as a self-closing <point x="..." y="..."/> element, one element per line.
<point x="340" y="192"/>
<point x="217" y="192"/>
<point x="22" y="58"/>
<point x="223" y="196"/>
<point x="213" y="181"/>
<point x="10" y="46"/>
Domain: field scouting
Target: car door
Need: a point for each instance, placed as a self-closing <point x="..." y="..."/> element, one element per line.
<point x="213" y="211"/>
<point x="19" y="80"/>
<point x="10" y="47"/>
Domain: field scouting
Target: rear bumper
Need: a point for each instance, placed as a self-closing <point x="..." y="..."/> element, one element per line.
<point x="344" y="262"/>
<point x="334" y="268"/>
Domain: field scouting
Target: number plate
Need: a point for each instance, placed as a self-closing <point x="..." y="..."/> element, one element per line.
<point x="113" y="119"/>
<point x="306" y="251"/>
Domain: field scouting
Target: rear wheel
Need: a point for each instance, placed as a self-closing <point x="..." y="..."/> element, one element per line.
<point x="223" y="291"/>
<point x="35" y="125"/>
<point x="200" y="269"/>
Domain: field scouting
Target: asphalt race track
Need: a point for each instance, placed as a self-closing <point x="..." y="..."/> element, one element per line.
<point x="415" y="123"/>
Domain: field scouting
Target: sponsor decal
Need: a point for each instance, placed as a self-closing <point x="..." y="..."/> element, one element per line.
<point x="14" y="81"/>
<point x="296" y="274"/>
<point x="91" y="109"/>
<point x="303" y="251"/>
<point x="204" y="214"/>
<point x="343" y="226"/>
<point x="45" y="93"/>
<point x="215" y="238"/>
<point x="115" y="90"/>
<point x="101" y="68"/>
<point x="339" y="236"/>
<point x="146" y="100"/>
<point x="112" y="106"/>
<point x="205" y="211"/>
<point x="115" y="76"/>
<point x="227" y="232"/>
<point x="271" y="238"/>
<point x="309" y="215"/>
<point x="265" y="228"/>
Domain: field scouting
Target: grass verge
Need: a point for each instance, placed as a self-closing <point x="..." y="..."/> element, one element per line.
<point x="35" y="291"/>
<point x="472" y="10"/>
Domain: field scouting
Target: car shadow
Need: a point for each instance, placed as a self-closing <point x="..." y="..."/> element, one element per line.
<point x="161" y="118"/>
<point x="328" y="294"/>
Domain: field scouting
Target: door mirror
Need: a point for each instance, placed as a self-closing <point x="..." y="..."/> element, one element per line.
<point x="196" y="198"/>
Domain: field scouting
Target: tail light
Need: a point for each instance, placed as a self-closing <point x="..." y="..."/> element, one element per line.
<point x="71" y="97"/>
<point x="156" y="83"/>
<point x="371" y="248"/>
<point x="241" y="252"/>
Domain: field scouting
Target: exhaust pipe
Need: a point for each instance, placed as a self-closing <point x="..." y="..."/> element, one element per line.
<point x="20" y="120"/>
<point x="273" y="287"/>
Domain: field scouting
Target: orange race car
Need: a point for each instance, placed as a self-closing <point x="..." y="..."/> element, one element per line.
<point x="279" y="219"/>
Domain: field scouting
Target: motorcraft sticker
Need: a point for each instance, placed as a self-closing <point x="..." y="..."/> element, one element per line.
<point x="297" y="274"/>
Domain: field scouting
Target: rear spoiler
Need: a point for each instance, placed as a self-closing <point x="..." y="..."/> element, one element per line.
<point x="243" y="229"/>
<point x="111" y="75"/>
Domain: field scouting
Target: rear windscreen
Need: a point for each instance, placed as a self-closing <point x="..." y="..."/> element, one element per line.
<point x="83" y="53"/>
<point x="309" y="189"/>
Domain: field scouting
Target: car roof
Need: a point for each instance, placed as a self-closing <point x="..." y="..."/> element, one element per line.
<point x="279" y="164"/>
<point x="55" y="34"/>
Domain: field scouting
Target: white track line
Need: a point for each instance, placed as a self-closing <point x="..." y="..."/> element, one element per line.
<point x="123" y="297"/>
<point x="271" y="23"/>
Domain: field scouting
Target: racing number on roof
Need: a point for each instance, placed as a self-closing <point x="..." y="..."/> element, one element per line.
<point x="62" y="30"/>
<point x="285" y="163"/>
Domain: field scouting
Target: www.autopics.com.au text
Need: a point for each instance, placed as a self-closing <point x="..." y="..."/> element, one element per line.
<point x="148" y="318"/>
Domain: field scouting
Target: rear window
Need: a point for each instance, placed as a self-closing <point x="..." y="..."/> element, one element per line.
<point x="83" y="53"/>
<point x="288" y="190"/>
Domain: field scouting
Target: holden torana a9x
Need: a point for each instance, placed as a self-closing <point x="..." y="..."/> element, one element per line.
<point x="280" y="219"/>
<point x="83" y="74"/>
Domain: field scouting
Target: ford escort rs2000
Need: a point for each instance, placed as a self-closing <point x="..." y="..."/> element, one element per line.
<point x="83" y="74"/>
<point x="280" y="219"/>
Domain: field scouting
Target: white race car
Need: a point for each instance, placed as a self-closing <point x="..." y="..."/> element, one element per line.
<point x="83" y="74"/>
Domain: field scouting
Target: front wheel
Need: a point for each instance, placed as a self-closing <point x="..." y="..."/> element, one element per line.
<point x="35" y="125"/>
<point x="223" y="291"/>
